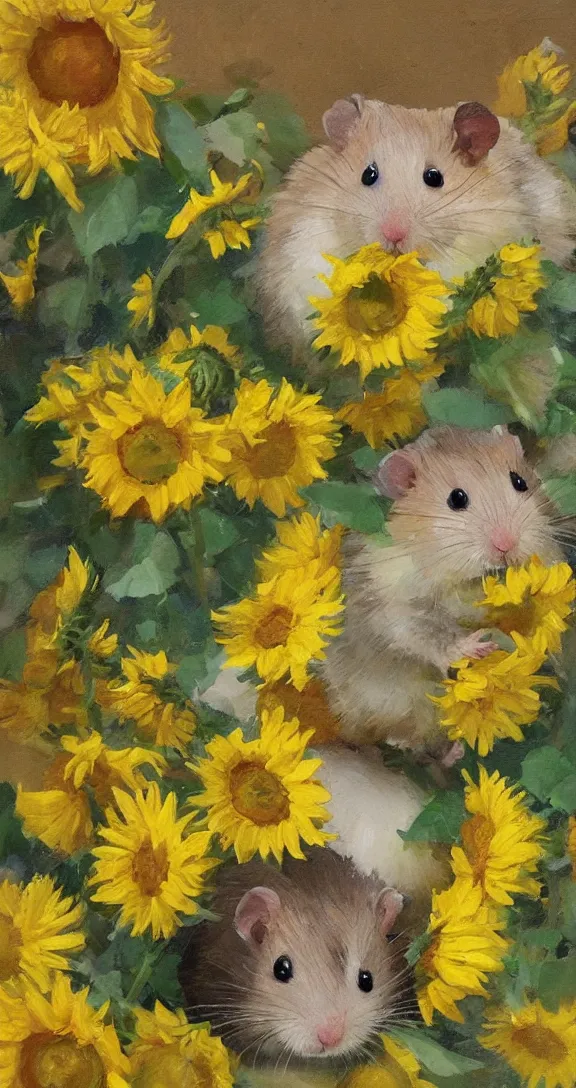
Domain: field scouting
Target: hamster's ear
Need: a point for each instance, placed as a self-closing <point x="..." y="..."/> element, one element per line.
<point x="395" y="474"/>
<point x="254" y="913"/>
<point x="476" y="129"/>
<point x="500" y="431"/>
<point x="388" y="907"/>
<point x="340" y="119"/>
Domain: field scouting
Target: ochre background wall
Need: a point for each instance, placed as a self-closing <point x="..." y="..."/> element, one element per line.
<point x="413" y="52"/>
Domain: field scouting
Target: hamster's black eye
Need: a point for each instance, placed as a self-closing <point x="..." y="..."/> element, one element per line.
<point x="433" y="177"/>
<point x="518" y="482"/>
<point x="458" y="499"/>
<point x="283" y="969"/>
<point x="371" y="174"/>
<point x="365" y="981"/>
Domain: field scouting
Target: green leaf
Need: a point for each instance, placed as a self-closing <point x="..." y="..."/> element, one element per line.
<point x="542" y="938"/>
<point x="219" y="531"/>
<point x="153" y="575"/>
<point x="557" y="982"/>
<point x="64" y="305"/>
<point x="179" y="133"/>
<point x="463" y="408"/>
<point x="353" y="505"/>
<point x="366" y="459"/>
<point x="219" y="306"/>
<point x="440" y="820"/>
<point x="562" y="293"/>
<point x="286" y="132"/>
<point x="439" y="1061"/>
<point x="562" y="492"/>
<point x="111" y="208"/>
<point x="543" y="770"/>
<point x="563" y="796"/>
<point x="235" y="136"/>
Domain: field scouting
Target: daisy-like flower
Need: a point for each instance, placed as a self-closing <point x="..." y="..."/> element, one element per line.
<point x="463" y="945"/>
<point x="152" y="449"/>
<point x="169" y="1050"/>
<point x="212" y="341"/>
<point x="492" y="698"/>
<point x="532" y="600"/>
<point x="98" y="58"/>
<point x="539" y="1045"/>
<point x="298" y="541"/>
<point x="141" y="305"/>
<point x="284" y="626"/>
<point x="279" y="439"/>
<point x="59" y="1040"/>
<point x="71" y="389"/>
<point x="382" y="310"/>
<point x="395" y="412"/>
<point x="38" y="931"/>
<point x="230" y="234"/>
<point x="501" y="841"/>
<point x="512" y="290"/>
<point x="261" y="795"/>
<point x="55" y="605"/>
<point x="153" y="863"/>
<point x="398" y="1066"/>
<point x="538" y="67"/>
<point x="138" y="698"/>
<point x="224" y="193"/>
<point x="21" y="287"/>
<point x="28" y="146"/>
<point x="310" y="706"/>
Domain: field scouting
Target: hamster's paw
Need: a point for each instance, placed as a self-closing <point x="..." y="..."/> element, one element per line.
<point x="472" y="646"/>
<point x="454" y="754"/>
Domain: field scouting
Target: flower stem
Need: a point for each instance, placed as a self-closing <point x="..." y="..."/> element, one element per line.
<point x="144" y="972"/>
<point x="198" y="554"/>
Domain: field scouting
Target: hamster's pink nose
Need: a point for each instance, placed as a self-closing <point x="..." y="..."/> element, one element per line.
<point x="394" y="230"/>
<point x="503" y="540"/>
<point x="331" y="1032"/>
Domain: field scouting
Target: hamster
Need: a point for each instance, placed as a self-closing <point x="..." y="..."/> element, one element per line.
<point x="299" y="966"/>
<point x="466" y="503"/>
<point x="453" y="184"/>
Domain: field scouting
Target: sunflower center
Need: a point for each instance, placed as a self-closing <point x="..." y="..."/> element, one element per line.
<point x="54" y="1061"/>
<point x="10" y="944"/>
<point x="258" y="794"/>
<point x="74" y="62"/>
<point x="274" y="629"/>
<point x="477" y="834"/>
<point x="171" y="1068"/>
<point x="276" y="454"/>
<point x="150" y="453"/>
<point x="541" y="1042"/>
<point x="102" y="781"/>
<point x="522" y="618"/>
<point x="150" y="867"/>
<point x="375" y="307"/>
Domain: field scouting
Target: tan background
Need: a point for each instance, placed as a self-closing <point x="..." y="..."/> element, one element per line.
<point x="413" y="52"/>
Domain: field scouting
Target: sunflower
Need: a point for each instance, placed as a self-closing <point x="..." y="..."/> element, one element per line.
<point x="382" y="310"/>
<point x="299" y="541"/>
<point x="493" y="697"/>
<point x="50" y="693"/>
<point x="71" y="389"/>
<point x="152" y="449"/>
<point x="168" y="1050"/>
<point x="511" y="293"/>
<point x="138" y="698"/>
<point x="224" y="193"/>
<point x="261" y="795"/>
<point x="554" y="136"/>
<point x="501" y="840"/>
<point x="21" y="287"/>
<point x="152" y="865"/>
<point x="395" y="412"/>
<point x="60" y="1040"/>
<point x="538" y="67"/>
<point x="463" y="943"/>
<point x="100" y="643"/>
<point x="141" y="305"/>
<point x="279" y="439"/>
<point x="55" y="605"/>
<point x="310" y="706"/>
<point x="534" y="599"/>
<point x="95" y="56"/>
<point x="284" y="626"/>
<point x="211" y="342"/>
<point x="397" y="1068"/>
<point x="38" y="931"/>
<point x="539" y="1045"/>
<point x="27" y="146"/>
<point x="230" y="234"/>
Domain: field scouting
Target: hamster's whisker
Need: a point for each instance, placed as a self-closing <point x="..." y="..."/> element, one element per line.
<point x="459" y="193"/>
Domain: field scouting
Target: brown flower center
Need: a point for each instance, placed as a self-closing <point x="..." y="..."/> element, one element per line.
<point x="56" y="1061"/>
<point x="477" y="834"/>
<point x="150" y="867"/>
<point x="375" y="307"/>
<point x="522" y="618"/>
<point x="274" y="629"/>
<point x="258" y="794"/>
<point x="541" y="1042"/>
<point x="276" y="454"/>
<point x="10" y="945"/>
<point x="150" y="453"/>
<point x="310" y="706"/>
<point x="74" y="62"/>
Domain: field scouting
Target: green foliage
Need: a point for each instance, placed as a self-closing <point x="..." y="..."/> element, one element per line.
<point x="439" y="821"/>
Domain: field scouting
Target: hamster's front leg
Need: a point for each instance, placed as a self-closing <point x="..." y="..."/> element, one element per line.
<point x="425" y="630"/>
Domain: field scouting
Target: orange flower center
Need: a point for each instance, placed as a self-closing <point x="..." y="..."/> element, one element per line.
<point x="310" y="706"/>
<point x="74" y="62"/>
<point x="274" y="629"/>
<point x="375" y="307"/>
<point x="150" y="453"/>
<point x="477" y="834"/>
<point x="541" y="1042"/>
<point x="522" y="618"/>
<point x="150" y="868"/>
<point x="10" y="945"/>
<point x="258" y="795"/>
<point x="56" y="1061"/>
<point x="274" y="456"/>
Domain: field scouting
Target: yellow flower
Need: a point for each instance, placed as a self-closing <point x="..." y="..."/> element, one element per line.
<point x="394" y="413"/>
<point x="96" y="56"/>
<point x="533" y="600"/>
<point x="284" y="626"/>
<point x="28" y="146"/>
<point x="231" y="234"/>
<point x="491" y="698"/>
<point x="223" y="193"/>
<point x="512" y="293"/>
<point x="299" y="541"/>
<point x="279" y="439"/>
<point x="59" y="1040"/>
<point x="21" y="287"/>
<point x="382" y="310"/>
<point x="261" y="795"/>
<point x="310" y="706"/>
<point x="212" y="339"/>
<point x="539" y="1045"/>
<point x="56" y="604"/>
<point x="51" y="692"/>
<point x="397" y="1068"/>
<point x="464" y="946"/>
<point x="501" y="841"/>
<point x="71" y="389"/>
<point x="538" y="66"/>
<point x="100" y="643"/>
<point x="170" y="1051"/>
<point x="152" y="865"/>
<point x="151" y="449"/>
<point x="141" y="305"/>
<point x="553" y="137"/>
<point x="136" y="698"/>
<point x="37" y="931"/>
